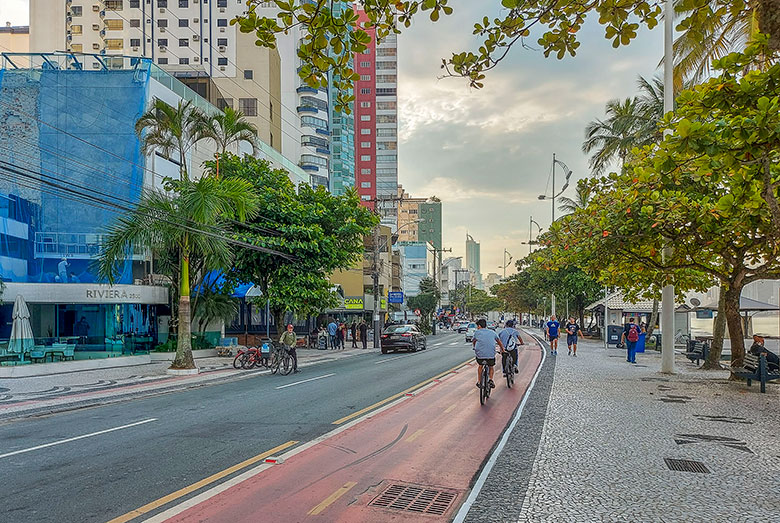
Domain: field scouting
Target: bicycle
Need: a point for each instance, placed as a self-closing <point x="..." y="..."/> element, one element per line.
<point x="281" y="361"/>
<point x="484" y="385"/>
<point x="509" y="368"/>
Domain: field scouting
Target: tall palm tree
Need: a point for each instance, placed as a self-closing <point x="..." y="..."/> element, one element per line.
<point x="580" y="200"/>
<point x="172" y="131"/>
<point x="189" y="221"/>
<point x="228" y="128"/>
<point x="613" y="137"/>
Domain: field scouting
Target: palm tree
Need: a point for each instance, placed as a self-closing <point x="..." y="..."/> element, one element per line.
<point x="615" y="136"/>
<point x="580" y="201"/>
<point x="188" y="221"/>
<point x="228" y="128"/>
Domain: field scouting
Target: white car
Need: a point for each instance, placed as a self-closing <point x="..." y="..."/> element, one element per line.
<point x="470" y="331"/>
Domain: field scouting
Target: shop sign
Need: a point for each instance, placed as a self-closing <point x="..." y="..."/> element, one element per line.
<point x="383" y="303"/>
<point x="354" y="303"/>
<point x="396" y="297"/>
<point x="86" y="293"/>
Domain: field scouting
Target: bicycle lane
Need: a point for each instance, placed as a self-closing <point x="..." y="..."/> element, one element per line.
<point x="418" y="456"/>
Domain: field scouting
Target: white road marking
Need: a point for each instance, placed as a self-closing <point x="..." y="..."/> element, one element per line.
<point x="455" y="343"/>
<point x="391" y="359"/>
<point x="68" y="440"/>
<point x="304" y="381"/>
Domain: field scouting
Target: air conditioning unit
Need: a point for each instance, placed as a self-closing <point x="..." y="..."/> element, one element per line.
<point x="96" y="47"/>
<point x="96" y="27"/>
<point x="194" y="20"/>
<point x="195" y="38"/>
<point x="135" y="49"/>
<point x="221" y="29"/>
<point x="221" y="67"/>
<point x="221" y="9"/>
<point x="162" y="9"/>
<point x="96" y="8"/>
<point x="163" y="49"/>
<point x="162" y="29"/>
<point x="221" y="48"/>
<point x="196" y="59"/>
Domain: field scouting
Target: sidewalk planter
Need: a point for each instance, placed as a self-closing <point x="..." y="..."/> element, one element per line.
<point x="183" y="372"/>
<point x="169" y="356"/>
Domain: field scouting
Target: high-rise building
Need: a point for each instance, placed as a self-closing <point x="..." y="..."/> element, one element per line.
<point x="342" y="146"/>
<point x="14" y="39"/>
<point x="376" y="125"/>
<point x="472" y="261"/>
<point x="492" y="279"/>
<point x="429" y="228"/>
<point x="191" y="40"/>
<point x="408" y="215"/>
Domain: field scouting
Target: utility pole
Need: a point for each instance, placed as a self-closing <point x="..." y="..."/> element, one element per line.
<point x="436" y="273"/>
<point x="375" y="283"/>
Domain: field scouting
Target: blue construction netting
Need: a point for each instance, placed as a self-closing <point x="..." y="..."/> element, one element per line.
<point x="66" y="134"/>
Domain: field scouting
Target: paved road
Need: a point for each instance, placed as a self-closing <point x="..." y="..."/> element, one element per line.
<point x="194" y="434"/>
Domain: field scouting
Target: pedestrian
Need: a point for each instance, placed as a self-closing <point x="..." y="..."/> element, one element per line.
<point x="353" y="333"/>
<point x="552" y="333"/>
<point x="363" y="328"/>
<point x="332" y="328"/>
<point x="572" y="331"/>
<point x="289" y="341"/>
<point x="630" y="336"/>
<point x="340" y="336"/>
<point x="62" y="270"/>
<point x="758" y="348"/>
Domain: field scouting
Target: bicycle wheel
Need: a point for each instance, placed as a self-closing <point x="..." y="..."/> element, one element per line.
<point x="484" y="390"/>
<point x="287" y="364"/>
<point x="239" y="360"/>
<point x="509" y="371"/>
<point x="275" y="362"/>
<point x="250" y="360"/>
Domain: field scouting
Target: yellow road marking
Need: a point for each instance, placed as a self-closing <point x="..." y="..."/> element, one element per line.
<point x="415" y="435"/>
<point x="451" y="408"/>
<point x="200" y="484"/>
<point x="333" y="497"/>
<point x="395" y="396"/>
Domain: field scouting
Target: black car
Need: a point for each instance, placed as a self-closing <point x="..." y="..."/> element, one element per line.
<point x="406" y="337"/>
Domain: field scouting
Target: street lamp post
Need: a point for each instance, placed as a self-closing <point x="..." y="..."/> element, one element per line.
<point x="506" y="263"/>
<point x="530" y="232"/>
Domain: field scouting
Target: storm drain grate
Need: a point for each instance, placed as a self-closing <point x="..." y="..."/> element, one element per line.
<point x="414" y="498"/>
<point x="686" y="465"/>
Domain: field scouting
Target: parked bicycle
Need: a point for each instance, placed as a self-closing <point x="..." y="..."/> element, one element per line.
<point x="281" y="361"/>
<point x="251" y="357"/>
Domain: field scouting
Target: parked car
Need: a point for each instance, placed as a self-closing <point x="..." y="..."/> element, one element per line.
<point x="470" y="331"/>
<point x="406" y="337"/>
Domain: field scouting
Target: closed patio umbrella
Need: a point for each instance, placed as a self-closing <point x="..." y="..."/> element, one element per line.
<point x="21" y="340"/>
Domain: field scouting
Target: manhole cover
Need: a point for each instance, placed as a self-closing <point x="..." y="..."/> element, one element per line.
<point x="686" y="465"/>
<point x="414" y="498"/>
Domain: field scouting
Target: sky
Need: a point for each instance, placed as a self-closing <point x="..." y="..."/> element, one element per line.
<point x="487" y="153"/>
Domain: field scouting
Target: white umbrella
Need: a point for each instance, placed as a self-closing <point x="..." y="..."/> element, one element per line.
<point x="22" y="339"/>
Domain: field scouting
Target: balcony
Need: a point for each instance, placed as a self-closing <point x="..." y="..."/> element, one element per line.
<point x="323" y="132"/>
<point x="306" y="89"/>
<point x="307" y="109"/>
<point x="310" y="167"/>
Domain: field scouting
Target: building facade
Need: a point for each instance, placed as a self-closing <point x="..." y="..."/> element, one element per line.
<point x="473" y="261"/>
<point x="408" y="216"/>
<point x="417" y="265"/>
<point x="491" y="279"/>
<point x="429" y="228"/>
<point x="14" y="39"/>
<point x="189" y="39"/>
<point x="365" y="119"/>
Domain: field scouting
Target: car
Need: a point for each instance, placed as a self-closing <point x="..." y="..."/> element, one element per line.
<point x="462" y="327"/>
<point x="470" y="331"/>
<point x="492" y="325"/>
<point x="402" y="337"/>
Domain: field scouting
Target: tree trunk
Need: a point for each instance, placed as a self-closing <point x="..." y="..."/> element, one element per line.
<point x="183" y="359"/>
<point x="653" y="320"/>
<point x="734" y="321"/>
<point x="278" y="315"/>
<point x="718" y="332"/>
<point x="769" y="21"/>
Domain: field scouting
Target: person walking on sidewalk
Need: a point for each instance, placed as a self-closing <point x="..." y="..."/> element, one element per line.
<point x="572" y="332"/>
<point x="332" y="328"/>
<point x="364" y="333"/>
<point x="552" y="333"/>
<point x="340" y="336"/>
<point x="353" y="333"/>
<point x="289" y="340"/>
<point x="630" y="336"/>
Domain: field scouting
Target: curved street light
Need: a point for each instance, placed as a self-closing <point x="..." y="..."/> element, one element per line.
<point x="568" y="173"/>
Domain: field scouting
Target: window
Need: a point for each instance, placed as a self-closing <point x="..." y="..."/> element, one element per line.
<point x="114" y="43"/>
<point x="184" y="42"/>
<point x="365" y="90"/>
<point x="365" y="131"/>
<point x="135" y="42"/>
<point x="76" y="10"/>
<point x="162" y="22"/>
<point x="316" y="160"/>
<point x="77" y="48"/>
<point x="162" y="3"/>
<point x="313" y="121"/>
<point x="386" y="158"/>
<point x="135" y="4"/>
<point x="76" y="29"/>
<point x="365" y="157"/>
<point x="184" y="61"/>
<point x="221" y="3"/>
<point x="114" y="5"/>
<point x="184" y="22"/>
<point x="386" y="78"/>
<point x="386" y="65"/>
<point x="389" y="146"/>
<point x="248" y="106"/>
<point x="385" y="91"/>
<point x="365" y="64"/>
<point x="365" y="171"/>
<point x="310" y="101"/>
<point x="387" y="172"/>
<point x="222" y="42"/>
<point x="314" y="141"/>
<point x="386" y="132"/>
<point x="365" y="104"/>
<point x="365" y="144"/>
<point x="224" y="102"/>
<point x="222" y="61"/>
<point x="136" y="22"/>
<point x="386" y="51"/>
<point x="222" y="22"/>
<point x="365" y="197"/>
<point x="385" y="118"/>
<point x="365" y="185"/>
<point x="367" y="50"/>
<point x="162" y="61"/>
<point x="184" y="3"/>
<point x="365" y="117"/>
<point x="248" y="74"/>
<point x="271" y="111"/>
<point x="386" y="106"/>
<point x="162" y="42"/>
<point x="115" y="25"/>
<point x="365" y="77"/>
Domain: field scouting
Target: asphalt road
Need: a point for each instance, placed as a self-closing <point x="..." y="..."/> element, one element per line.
<point x="195" y="433"/>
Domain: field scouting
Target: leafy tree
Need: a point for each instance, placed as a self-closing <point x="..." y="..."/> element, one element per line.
<point x="426" y="301"/>
<point x="580" y="200"/>
<point x="331" y="34"/>
<point x="317" y="232"/>
<point x="213" y="305"/>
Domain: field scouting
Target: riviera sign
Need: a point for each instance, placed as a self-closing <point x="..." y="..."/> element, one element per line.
<point x="111" y="294"/>
<point x="85" y="293"/>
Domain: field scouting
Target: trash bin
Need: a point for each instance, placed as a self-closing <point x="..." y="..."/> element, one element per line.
<point x="640" y="343"/>
<point x="613" y="334"/>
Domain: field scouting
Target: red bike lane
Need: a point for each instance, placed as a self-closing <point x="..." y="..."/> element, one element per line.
<point x="417" y="457"/>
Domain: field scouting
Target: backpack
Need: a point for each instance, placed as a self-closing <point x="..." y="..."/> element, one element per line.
<point x="633" y="333"/>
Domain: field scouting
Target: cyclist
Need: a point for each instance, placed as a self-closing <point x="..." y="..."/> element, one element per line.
<point x="289" y="341"/>
<point x="552" y="332"/>
<point x="484" y="344"/>
<point x="510" y="337"/>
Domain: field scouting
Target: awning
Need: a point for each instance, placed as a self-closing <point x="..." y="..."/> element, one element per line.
<point x="745" y="305"/>
<point x="616" y="302"/>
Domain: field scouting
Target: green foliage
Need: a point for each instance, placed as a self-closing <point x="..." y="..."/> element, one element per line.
<point x="317" y="232"/>
<point x="212" y="305"/>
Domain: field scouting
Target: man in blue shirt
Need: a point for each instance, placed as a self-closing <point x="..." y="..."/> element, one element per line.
<point x="332" y="330"/>
<point x="484" y="342"/>
<point x="552" y="329"/>
<point x="510" y="337"/>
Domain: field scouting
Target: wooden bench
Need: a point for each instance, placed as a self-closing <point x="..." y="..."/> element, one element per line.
<point x="756" y="368"/>
<point x="697" y="350"/>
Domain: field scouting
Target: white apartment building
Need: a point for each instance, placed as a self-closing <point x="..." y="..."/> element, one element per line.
<point x="386" y="75"/>
<point x="190" y="39"/>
